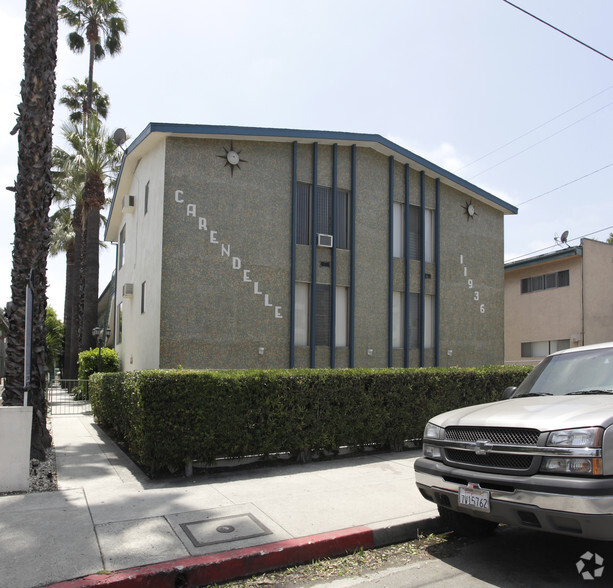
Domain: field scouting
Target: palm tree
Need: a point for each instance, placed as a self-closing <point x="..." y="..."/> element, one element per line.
<point x="34" y="192"/>
<point x="93" y="160"/>
<point x="69" y="190"/>
<point x="100" y="24"/>
<point x="75" y="99"/>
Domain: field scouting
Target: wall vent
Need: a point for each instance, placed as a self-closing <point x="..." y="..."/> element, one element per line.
<point x="324" y="240"/>
<point x="127" y="290"/>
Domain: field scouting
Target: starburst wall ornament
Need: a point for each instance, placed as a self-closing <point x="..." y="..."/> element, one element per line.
<point x="232" y="158"/>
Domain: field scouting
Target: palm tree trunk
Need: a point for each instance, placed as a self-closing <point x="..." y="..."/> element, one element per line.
<point x="91" y="271"/>
<point x="34" y="192"/>
<point x="68" y="304"/>
<point x="75" y="294"/>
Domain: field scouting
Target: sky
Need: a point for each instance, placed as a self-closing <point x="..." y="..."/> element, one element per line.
<point x="475" y="86"/>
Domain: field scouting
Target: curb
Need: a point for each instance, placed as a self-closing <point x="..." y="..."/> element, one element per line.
<point x="229" y="565"/>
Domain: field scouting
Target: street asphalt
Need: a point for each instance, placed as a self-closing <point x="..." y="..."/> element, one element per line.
<point x="111" y="525"/>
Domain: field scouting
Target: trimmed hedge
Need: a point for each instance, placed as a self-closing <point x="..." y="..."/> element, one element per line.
<point x="168" y="418"/>
<point x="88" y="365"/>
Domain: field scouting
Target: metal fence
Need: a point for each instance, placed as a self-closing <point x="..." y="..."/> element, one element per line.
<point x="65" y="397"/>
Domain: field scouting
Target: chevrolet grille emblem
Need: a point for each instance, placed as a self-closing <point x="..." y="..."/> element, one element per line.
<point x="483" y="446"/>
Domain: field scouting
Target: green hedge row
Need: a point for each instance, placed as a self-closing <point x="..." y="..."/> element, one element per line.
<point x="167" y="418"/>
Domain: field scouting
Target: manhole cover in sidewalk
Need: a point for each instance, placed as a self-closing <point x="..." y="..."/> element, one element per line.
<point x="224" y="529"/>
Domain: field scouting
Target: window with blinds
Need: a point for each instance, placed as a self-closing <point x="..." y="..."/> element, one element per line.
<point x="545" y="281"/>
<point x="324" y="224"/>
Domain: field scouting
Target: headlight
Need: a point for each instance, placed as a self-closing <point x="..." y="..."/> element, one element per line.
<point x="590" y="437"/>
<point x="433" y="432"/>
<point x="586" y="466"/>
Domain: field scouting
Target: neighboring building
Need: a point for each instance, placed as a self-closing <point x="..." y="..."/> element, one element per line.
<point x="228" y="257"/>
<point x="557" y="301"/>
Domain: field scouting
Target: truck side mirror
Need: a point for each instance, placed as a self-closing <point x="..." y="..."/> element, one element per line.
<point x="508" y="392"/>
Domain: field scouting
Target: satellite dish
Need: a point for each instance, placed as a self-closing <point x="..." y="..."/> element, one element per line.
<point x="119" y="137"/>
<point x="564" y="237"/>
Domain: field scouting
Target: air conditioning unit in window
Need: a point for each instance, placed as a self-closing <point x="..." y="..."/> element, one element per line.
<point x="324" y="240"/>
<point x="127" y="290"/>
<point x="128" y="203"/>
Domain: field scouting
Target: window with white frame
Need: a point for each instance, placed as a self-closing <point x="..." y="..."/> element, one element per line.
<point x="143" y="294"/>
<point x="543" y="348"/>
<point x="429" y="321"/>
<point x="122" y="247"/>
<point x="301" y="314"/>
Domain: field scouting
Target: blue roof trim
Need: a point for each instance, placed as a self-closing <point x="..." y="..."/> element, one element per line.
<point x="194" y="129"/>
<point x="547" y="257"/>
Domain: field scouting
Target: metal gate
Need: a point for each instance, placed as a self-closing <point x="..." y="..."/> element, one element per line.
<point x="65" y="397"/>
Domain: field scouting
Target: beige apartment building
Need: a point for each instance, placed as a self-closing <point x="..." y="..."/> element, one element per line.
<point x="558" y="300"/>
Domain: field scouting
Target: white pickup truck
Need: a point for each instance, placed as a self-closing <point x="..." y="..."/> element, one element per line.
<point x="540" y="458"/>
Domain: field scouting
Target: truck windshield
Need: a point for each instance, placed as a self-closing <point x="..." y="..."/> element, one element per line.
<point x="583" y="372"/>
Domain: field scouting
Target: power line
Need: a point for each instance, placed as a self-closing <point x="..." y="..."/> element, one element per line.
<point x="552" y="246"/>
<point x="542" y="140"/>
<point x="559" y="30"/>
<point x="534" y="129"/>
<point x="564" y="185"/>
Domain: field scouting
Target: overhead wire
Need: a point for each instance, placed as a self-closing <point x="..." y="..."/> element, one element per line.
<point x="559" y="30"/>
<point x="534" y="129"/>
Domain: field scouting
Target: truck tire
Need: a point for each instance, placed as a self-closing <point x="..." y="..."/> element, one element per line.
<point x="465" y="525"/>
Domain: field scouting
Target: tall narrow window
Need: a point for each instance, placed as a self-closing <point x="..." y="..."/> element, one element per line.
<point x="398" y="229"/>
<point x="414" y="232"/>
<point x="429" y="235"/>
<point x="143" y="294"/>
<point x="429" y="322"/>
<point x="322" y="315"/>
<point x="414" y="320"/>
<point x="324" y="210"/>
<point x="303" y="214"/>
<point x="301" y="314"/>
<point x="398" y="320"/>
<point x="146" y="198"/>
<point x="122" y="247"/>
<point x="119" y="322"/>
<point x="342" y="306"/>
<point x="342" y="219"/>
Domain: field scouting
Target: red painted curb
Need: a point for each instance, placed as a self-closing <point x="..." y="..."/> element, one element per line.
<point x="220" y="567"/>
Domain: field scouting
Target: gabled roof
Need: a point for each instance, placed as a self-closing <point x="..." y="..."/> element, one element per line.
<point x="156" y="132"/>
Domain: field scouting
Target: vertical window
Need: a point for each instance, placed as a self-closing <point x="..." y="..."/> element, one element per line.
<point x="398" y="229"/>
<point x="342" y="219"/>
<point x="303" y="214"/>
<point x="429" y="322"/>
<point x="146" y="198"/>
<point x="122" y="247"/>
<point x="143" y="293"/>
<point x="398" y="320"/>
<point x="324" y="210"/>
<point x="301" y="314"/>
<point x="414" y="320"/>
<point x="341" y="316"/>
<point x="414" y="232"/>
<point x="119" y="322"/>
<point x="322" y="315"/>
<point x="429" y="235"/>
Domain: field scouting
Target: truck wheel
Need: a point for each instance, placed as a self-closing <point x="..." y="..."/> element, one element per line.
<point x="464" y="525"/>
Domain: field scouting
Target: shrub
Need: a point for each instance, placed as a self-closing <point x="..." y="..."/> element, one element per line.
<point x="88" y="365"/>
<point x="171" y="417"/>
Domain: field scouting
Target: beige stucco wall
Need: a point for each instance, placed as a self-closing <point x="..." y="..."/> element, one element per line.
<point x="140" y="343"/>
<point x="544" y="315"/>
<point x="598" y="301"/>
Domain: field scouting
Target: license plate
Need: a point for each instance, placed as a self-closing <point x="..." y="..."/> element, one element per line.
<point x="474" y="499"/>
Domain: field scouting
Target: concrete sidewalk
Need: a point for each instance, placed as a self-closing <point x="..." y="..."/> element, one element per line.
<point x="111" y="525"/>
